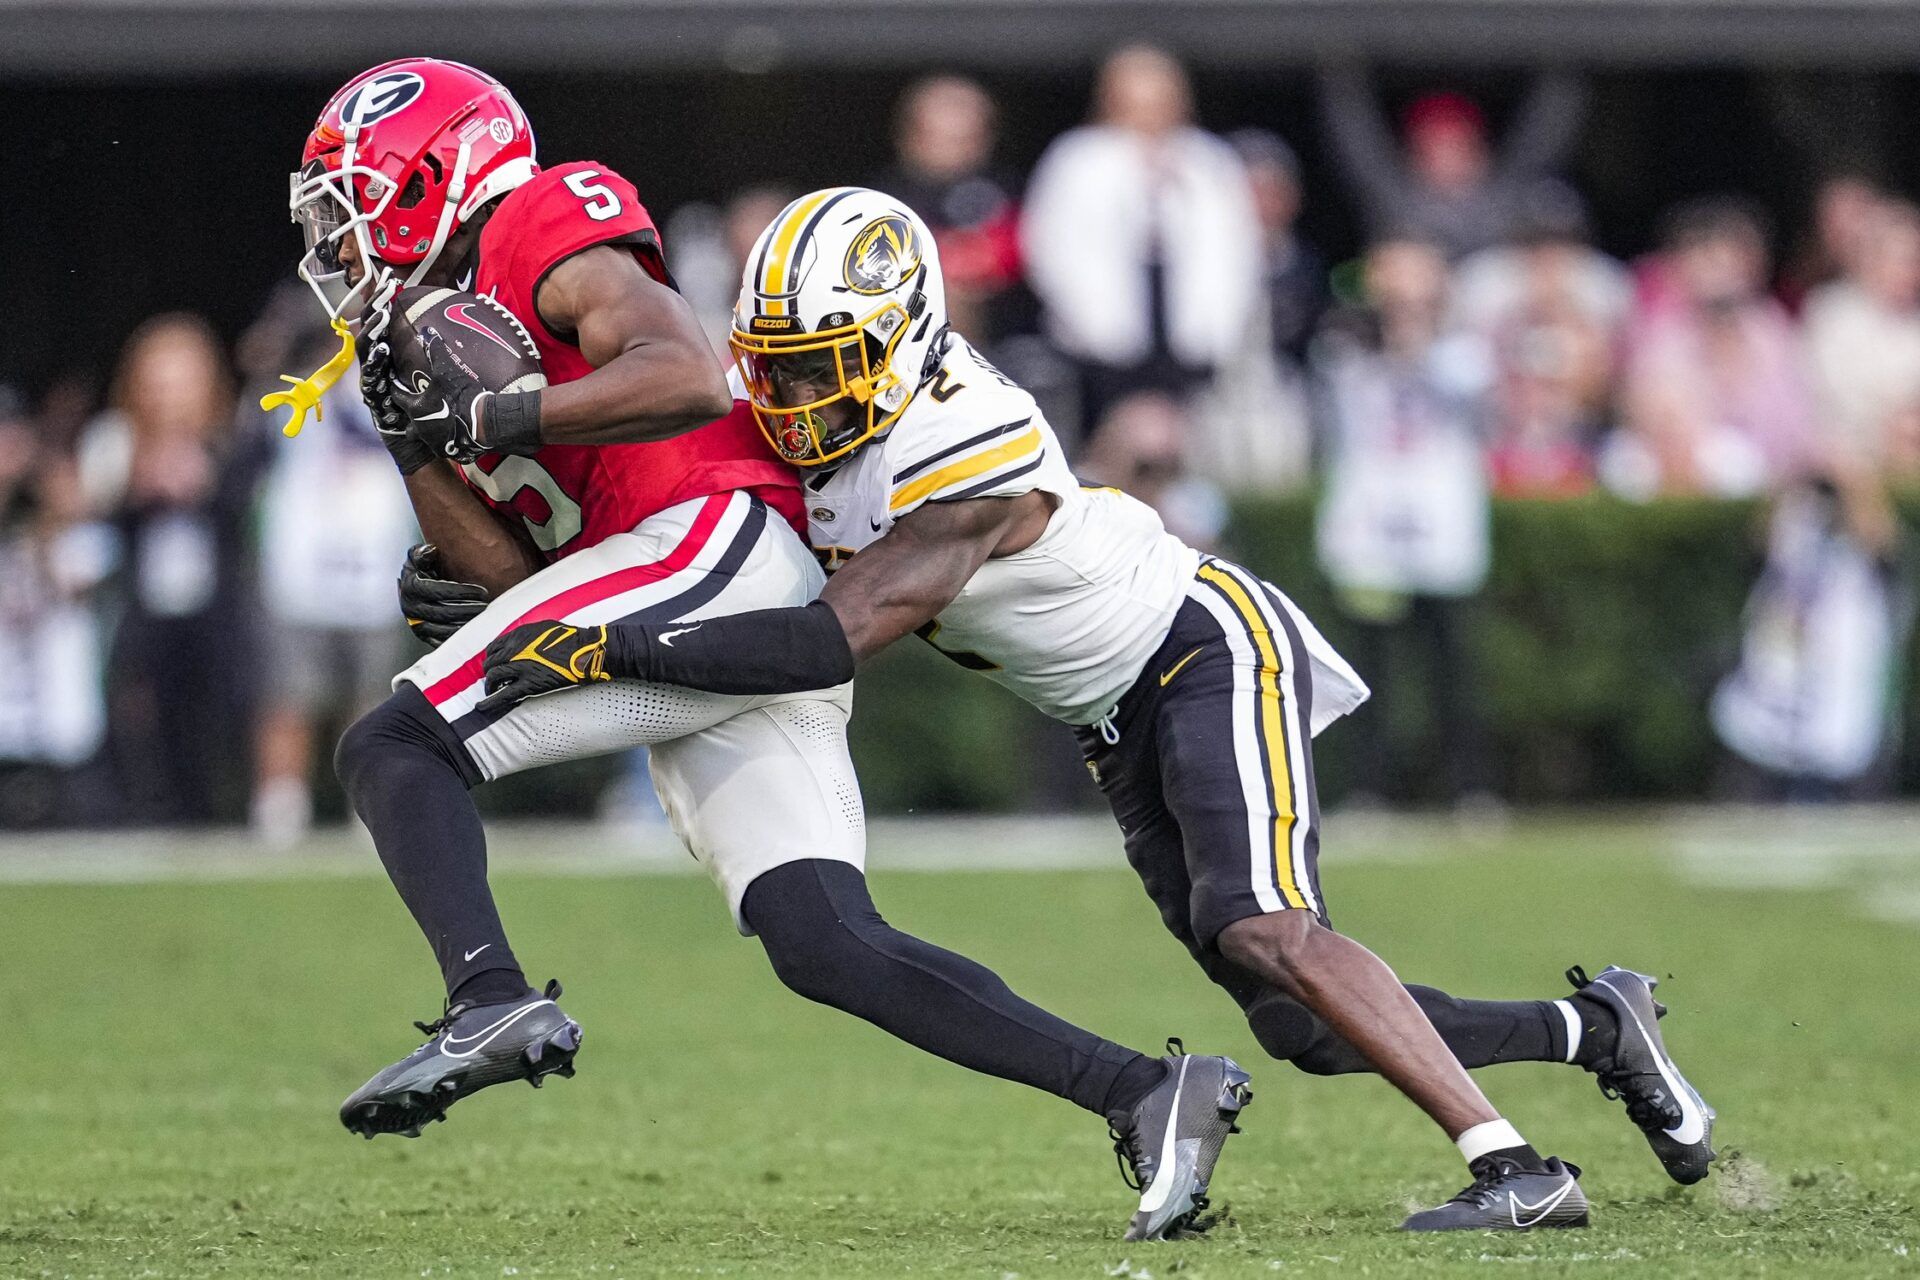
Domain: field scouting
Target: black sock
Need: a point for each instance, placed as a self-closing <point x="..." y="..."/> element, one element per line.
<point x="1599" y="1031"/>
<point x="828" y="943"/>
<point x="493" y="986"/>
<point x="1138" y="1079"/>
<point x="409" y="783"/>
<point x="1523" y="1156"/>
<point x="1480" y="1033"/>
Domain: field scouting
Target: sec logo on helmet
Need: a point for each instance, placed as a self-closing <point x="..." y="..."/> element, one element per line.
<point x="380" y="97"/>
<point x="884" y="253"/>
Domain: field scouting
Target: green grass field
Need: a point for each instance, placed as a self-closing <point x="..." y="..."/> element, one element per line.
<point x="173" y="1055"/>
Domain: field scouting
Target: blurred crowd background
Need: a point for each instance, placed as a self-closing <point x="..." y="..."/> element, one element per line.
<point x="1604" y="511"/>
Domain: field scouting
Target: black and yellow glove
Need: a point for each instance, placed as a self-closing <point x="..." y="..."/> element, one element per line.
<point x="542" y="657"/>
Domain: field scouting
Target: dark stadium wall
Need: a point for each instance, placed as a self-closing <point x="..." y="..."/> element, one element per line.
<point x="127" y="198"/>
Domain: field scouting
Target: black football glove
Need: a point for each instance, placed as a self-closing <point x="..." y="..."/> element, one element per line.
<point x="435" y="607"/>
<point x="442" y="402"/>
<point x="542" y="657"/>
<point x="376" y="388"/>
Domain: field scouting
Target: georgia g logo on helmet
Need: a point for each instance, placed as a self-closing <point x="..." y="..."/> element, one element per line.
<point x="884" y="253"/>
<point x="380" y="97"/>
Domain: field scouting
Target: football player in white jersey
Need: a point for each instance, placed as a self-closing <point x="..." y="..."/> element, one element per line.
<point x="944" y="506"/>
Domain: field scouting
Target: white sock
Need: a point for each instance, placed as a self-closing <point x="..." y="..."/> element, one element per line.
<point x="1575" y="1028"/>
<point x="1494" y="1135"/>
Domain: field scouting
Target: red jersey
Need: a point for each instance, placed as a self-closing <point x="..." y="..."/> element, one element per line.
<point x="573" y="496"/>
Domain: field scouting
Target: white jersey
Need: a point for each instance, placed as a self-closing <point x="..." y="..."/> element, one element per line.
<point x="1067" y="623"/>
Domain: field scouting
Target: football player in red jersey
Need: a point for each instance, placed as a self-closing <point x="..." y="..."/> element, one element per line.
<point x="631" y="488"/>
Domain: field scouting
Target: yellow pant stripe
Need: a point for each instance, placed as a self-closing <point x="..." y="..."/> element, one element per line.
<point x="1272" y="729"/>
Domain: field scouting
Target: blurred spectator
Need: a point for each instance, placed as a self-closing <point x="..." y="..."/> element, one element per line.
<point x="1295" y="272"/>
<point x="943" y="140"/>
<point x="1252" y="431"/>
<point x="335" y="524"/>
<point x="1551" y="307"/>
<point x="162" y="469"/>
<point x="52" y="717"/>
<point x="1140" y="238"/>
<point x="708" y="250"/>
<point x="1139" y="447"/>
<point x="1447" y="184"/>
<point x="1863" y="336"/>
<point x="1810" y="706"/>
<point x="1716" y="398"/>
<point x="1843" y="209"/>
<point x="1403" y="523"/>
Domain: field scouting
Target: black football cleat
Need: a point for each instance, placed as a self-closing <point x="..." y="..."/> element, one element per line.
<point x="470" y="1047"/>
<point x="1172" y="1138"/>
<point x="1677" y="1121"/>
<point x="1506" y="1197"/>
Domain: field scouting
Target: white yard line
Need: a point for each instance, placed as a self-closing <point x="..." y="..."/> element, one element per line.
<point x="1873" y="853"/>
<point x="949" y="843"/>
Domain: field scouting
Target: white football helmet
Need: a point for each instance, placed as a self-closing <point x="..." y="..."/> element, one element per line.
<point x="841" y="299"/>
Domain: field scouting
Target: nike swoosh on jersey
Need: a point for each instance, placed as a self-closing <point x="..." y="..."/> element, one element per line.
<point x="1166" y="677"/>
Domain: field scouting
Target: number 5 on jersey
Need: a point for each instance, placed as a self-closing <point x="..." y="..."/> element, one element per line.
<point x="601" y="202"/>
<point x="514" y="476"/>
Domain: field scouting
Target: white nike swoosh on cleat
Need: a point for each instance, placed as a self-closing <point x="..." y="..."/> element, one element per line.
<point x="1161" y="1189"/>
<point x="488" y="1035"/>
<point x="1515" y="1206"/>
<point x="1693" y="1121"/>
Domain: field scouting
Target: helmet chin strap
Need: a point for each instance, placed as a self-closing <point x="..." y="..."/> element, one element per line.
<point x="456" y="188"/>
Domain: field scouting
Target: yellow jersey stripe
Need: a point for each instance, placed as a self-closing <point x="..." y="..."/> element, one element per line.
<point x="1273" y="731"/>
<point x="966" y="469"/>
<point x="780" y="252"/>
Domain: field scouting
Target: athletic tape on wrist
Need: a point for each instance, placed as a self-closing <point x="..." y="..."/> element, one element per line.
<point x="513" y="422"/>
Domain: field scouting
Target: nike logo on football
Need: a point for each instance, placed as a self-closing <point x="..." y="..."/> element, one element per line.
<point x="477" y="950"/>
<point x="460" y="317"/>
<point x="666" y="637"/>
<point x="1516" y="1207"/>
<point x="1167" y="676"/>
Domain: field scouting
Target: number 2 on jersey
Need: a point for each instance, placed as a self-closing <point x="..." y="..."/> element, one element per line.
<point x="601" y="202"/>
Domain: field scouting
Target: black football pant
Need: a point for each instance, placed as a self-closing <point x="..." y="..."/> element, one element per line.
<point x="1207" y="763"/>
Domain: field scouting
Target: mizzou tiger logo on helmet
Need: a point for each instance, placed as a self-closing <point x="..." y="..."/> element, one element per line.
<point x="885" y="253"/>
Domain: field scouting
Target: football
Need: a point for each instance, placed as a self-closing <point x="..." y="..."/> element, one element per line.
<point x="483" y="336"/>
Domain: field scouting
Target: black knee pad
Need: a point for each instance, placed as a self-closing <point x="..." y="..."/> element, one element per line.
<point x="402" y="730"/>
<point x="1285" y="1028"/>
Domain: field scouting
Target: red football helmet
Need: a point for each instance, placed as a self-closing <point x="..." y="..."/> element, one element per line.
<point x="400" y="159"/>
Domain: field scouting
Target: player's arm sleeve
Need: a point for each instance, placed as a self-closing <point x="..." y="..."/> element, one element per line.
<point x="998" y="462"/>
<point x="763" y="651"/>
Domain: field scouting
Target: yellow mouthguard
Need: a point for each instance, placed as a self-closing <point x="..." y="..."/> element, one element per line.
<point x="303" y="397"/>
